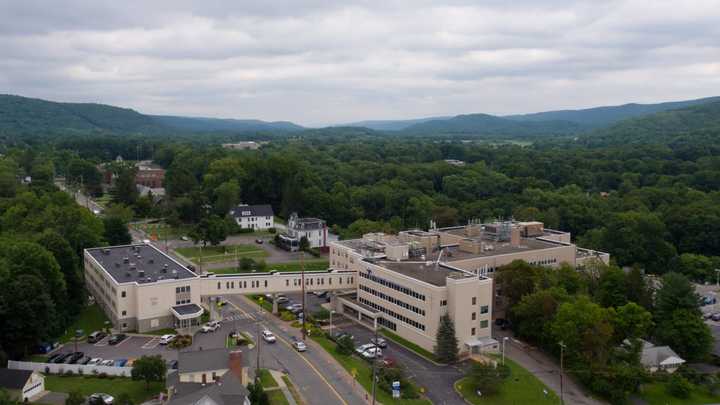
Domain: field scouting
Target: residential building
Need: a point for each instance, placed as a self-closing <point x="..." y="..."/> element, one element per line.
<point x="21" y="384"/>
<point x="314" y="229"/>
<point x="246" y="145"/>
<point x="259" y="217"/>
<point x="659" y="358"/>
<point x="208" y="377"/>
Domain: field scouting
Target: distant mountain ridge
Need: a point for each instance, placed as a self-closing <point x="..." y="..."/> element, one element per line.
<point x="23" y="115"/>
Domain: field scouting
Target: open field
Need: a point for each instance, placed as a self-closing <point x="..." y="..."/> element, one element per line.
<point x="655" y="394"/>
<point x="224" y="253"/>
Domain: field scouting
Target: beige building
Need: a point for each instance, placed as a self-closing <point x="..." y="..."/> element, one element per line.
<point x="403" y="282"/>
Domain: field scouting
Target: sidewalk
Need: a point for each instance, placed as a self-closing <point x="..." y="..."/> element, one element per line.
<point x="278" y="376"/>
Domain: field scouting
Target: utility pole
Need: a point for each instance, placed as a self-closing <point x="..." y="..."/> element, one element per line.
<point x="562" y="370"/>
<point x="374" y="365"/>
<point x="503" y="349"/>
<point x="302" y="281"/>
<point x="717" y="278"/>
<point x="259" y="338"/>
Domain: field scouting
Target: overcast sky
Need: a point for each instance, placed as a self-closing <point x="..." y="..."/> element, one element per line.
<point x="320" y="62"/>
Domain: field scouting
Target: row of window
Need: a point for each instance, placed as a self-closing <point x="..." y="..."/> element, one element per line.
<point x="179" y="290"/>
<point x="229" y="285"/>
<point x="392" y="300"/>
<point x="393" y="314"/>
<point x="393" y="285"/>
<point x="388" y="324"/>
<point x="181" y="302"/>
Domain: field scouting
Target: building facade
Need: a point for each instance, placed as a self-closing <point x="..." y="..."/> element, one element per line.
<point x="314" y="229"/>
<point x="259" y="217"/>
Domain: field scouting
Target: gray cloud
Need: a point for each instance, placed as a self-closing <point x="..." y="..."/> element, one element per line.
<point x="318" y="62"/>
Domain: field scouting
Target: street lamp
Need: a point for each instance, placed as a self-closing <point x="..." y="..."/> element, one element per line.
<point x="78" y="334"/>
<point x="505" y="339"/>
<point x="331" y="325"/>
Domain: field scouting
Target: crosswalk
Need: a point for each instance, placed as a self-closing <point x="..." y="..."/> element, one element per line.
<point x="236" y="317"/>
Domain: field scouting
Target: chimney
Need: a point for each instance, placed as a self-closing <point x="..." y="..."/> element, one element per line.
<point x="235" y="365"/>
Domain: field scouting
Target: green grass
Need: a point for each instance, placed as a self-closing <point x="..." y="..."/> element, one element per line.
<point x="267" y="380"/>
<point x="520" y="388"/>
<point x="266" y="305"/>
<point x="293" y="390"/>
<point x="276" y="397"/>
<point x="363" y="373"/>
<point x="162" y="230"/>
<point x="215" y="254"/>
<point x="115" y="386"/>
<point x="92" y="318"/>
<point x="164" y="331"/>
<point x="408" y="344"/>
<point x="655" y="394"/>
<point x="37" y="358"/>
<point x="310" y="265"/>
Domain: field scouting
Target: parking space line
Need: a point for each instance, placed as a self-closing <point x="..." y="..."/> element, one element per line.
<point x="151" y="344"/>
<point x="123" y="341"/>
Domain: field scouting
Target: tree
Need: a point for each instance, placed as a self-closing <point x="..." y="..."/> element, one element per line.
<point x="517" y="279"/>
<point x="345" y="345"/>
<point x="257" y="396"/>
<point x="5" y="398"/>
<point x="227" y="195"/>
<point x="675" y="293"/>
<point x="631" y="321"/>
<point x="150" y="369"/>
<point x="686" y="333"/>
<point x="446" y="349"/>
<point x="678" y="386"/>
<point x="611" y="289"/>
<point x="212" y="229"/>
<point x="533" y="314"/>
<point x="487" y="378"/>
<point x="304" y="243"/>
<point x="638" y="290"/>
<point x="586" y="330"/>
<point x="116" y="231"/>
<point x="124" y="191"/>
<point x="75" y="398"/>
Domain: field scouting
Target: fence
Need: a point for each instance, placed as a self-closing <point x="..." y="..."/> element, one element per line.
<point x="52" y="368"/>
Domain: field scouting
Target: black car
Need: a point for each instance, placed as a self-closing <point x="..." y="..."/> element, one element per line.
<point x="84" y="360"/>
<point x="52" y="358"/>
<point x="75" y="357"/>
<point x="62" y="358"/>
<point x="115" y="339"/>
<point x="96" y="336"/>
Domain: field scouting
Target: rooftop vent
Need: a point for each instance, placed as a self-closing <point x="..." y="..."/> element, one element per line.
<point x="126" y="260"/>
<point x="175" y="274"/>
<point x="141" y="273"/>
<point x="151" y="261"/>
<point x="149" y="279"/>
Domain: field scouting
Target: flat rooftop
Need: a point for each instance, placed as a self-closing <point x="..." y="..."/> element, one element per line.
<point x="424" y="271"/>
<point x="139" y="263"/>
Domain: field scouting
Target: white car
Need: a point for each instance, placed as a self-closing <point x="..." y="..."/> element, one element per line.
<point x="268" y="336"/>
<point x="166" y="339"/>
<point x="108" y="363"/>
<point x="95" y="361"/>
<point x="369" y="351"/>
<point x="210" y="327"/>
<point x="299" y="345"/>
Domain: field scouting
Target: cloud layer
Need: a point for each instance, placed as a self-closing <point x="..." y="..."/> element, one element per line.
<point x="318" y="62"/>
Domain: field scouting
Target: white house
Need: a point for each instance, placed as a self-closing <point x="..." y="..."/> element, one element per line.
<point x="655" y="358"/>
<point x="253" y="216"/>
<point x="314" y="229"/>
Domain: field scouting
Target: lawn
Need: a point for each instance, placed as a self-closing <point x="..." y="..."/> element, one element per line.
<point x="92" y="318"/>
<point x="113" y="386"/>
<point x="655" y="394"/>
<point x="363" y="373"/>
<point x="520" y="388"/>
<point x="408" y="344"/>
<point x="276" y="397"/>
<point x="224" y="253"/>
<point x="162" y="231"/>
<point x="267" y="380"/>
<point x="293" y="390"/>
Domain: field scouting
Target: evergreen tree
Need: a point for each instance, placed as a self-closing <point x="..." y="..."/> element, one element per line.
<point x="116" y="231"/>
<point x="446" y="349"/>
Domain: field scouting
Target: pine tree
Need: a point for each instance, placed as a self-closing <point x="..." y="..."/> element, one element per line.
<point x="446" y="348"/>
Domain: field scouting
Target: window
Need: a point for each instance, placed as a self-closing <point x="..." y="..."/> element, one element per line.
<point x="177" y="290"/>
<point x="124" y="325"/>
<point x="443" y="303"/>
<point x="124" y="313"/>
<point x="483" y="324"/>
<point x="218" y="285"/>
<point x="473" y="316"/>
<point x="484" y="309"/>
<point x="123" y="294"/>
<point x="474" y="300"/>
<point x="472" y="332"/>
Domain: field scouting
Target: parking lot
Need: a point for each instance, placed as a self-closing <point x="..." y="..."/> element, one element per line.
<point x="131" y="347"/>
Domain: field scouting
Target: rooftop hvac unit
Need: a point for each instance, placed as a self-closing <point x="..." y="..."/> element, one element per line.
<point x="117" y="264"/>
<point x="151" y="261"/>
<point x="141" y="273"/>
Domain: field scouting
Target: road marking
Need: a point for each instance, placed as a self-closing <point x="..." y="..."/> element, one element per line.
<point x="151" y="344"/>
<point x="299" y="355"/>
<point x="236" y="317"/>
<point x="123" y="341"/>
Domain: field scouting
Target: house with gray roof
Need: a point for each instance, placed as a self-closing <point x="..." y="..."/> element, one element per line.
<point x="253" y="216"/>
<point x="656" y="358"/>
<point x="208" y="377"/>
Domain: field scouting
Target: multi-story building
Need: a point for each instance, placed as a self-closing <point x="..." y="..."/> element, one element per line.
<point x="402" y="282"/>
<point x="149" y="175"/>
<point x="314" y="229"/>
<point x="253" y="216"/>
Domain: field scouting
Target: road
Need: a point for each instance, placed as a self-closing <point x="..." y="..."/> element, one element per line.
<point x="81" y="198"/>
<point x="317" y="376"/>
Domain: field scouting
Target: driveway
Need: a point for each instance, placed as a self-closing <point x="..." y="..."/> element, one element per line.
<point x="437" y="380"/>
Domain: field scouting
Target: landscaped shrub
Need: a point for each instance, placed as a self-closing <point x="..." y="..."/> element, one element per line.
<point x="287" y="316"/>
<point x="679" y="386"/>
<point x="181" y="342"/>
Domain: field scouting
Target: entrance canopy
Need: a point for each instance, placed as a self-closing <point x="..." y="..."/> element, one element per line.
<point x="186" y="311"/>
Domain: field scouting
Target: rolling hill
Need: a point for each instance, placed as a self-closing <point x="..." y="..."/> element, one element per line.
<point x="490" y="125"/>
<point x="202" y="124"/>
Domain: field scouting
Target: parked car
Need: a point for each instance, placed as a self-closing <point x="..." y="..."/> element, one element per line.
<point x="282" y="300"/>
<point x="108" y="363"/>
<point x="339" y="335"/>
<point x="259" y="241"/>
<point x="707" y="300"/>
<point x="184" y="238"/>
<point x="707" y="315"/>
<point x="75" y="357"/>
<point x="84" y="360"/>
<point x="115" y="339"/>
<point x="715" y="317"/>
<point x="120" y="362"/>
<point x="100" y="399"/>
<point x="379" y="342"/>
<point x="388" y="362"/>
<point x="292" y="306"/>
<point x="95" y="361"/>
<point x="52" y="357"/>
<point x="210" y="327"/>
<point x="172" y="365"/>
<point x="371" y="352"/>
<point x="268" y="336"/>
<point x="96" y="336"/>
<point x="47" y="347"/>
<point x="62" y="358"/>
<point x="166" y="339"/>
